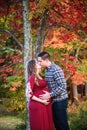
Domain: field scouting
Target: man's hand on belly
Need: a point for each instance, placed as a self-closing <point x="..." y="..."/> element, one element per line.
<point x="45" y="96"/>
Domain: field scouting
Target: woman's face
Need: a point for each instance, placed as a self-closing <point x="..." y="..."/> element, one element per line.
<point x="38" y="65"/>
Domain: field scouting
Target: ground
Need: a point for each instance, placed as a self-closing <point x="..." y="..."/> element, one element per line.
<point x="8" y="120"/>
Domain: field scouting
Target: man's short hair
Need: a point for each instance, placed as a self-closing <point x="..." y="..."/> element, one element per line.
<point x="44" y="55"/>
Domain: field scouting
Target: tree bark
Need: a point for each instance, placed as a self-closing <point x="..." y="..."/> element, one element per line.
<point x="40" y="37"/>
<point x="27" y="49"/>
<point x="86" y="89"/>
<point x="75" y="93"/>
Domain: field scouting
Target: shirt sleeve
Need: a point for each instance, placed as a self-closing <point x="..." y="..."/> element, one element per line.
<point x="32" y="81"/>
<point x="60" y="82"/>
<point x="30" y="86"/>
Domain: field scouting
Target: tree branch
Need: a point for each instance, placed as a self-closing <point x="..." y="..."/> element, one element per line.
<point x="11" y="49"/>
<point x="40" y="33"/>
<point x="12" y="35"/>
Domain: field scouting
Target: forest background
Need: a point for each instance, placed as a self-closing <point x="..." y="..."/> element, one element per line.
<point x="57" y="26"/>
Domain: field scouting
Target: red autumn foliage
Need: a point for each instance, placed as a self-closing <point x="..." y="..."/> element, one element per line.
<point x="12" y="89"/>
<point x="78" y="78"/>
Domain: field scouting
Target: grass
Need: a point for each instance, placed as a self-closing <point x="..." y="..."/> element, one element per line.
<point x="9" y="120"/>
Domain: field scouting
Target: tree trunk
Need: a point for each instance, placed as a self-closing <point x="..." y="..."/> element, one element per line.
<point x="85" y="89"/>
<point x="75" y="94"/>
<point x="27" y="48"/>
<point x="40" y="37"/>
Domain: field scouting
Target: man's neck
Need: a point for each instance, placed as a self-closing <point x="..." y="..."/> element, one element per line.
<point x="49" y="64"/>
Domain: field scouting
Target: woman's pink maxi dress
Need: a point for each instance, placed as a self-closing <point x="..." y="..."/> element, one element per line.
<point x="40" y="115"/>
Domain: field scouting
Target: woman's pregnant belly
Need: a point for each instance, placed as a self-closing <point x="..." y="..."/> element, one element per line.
<point x="39" y="92"/>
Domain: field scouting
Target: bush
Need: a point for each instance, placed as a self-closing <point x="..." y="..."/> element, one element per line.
<point x="15" y="96"/>
<point x="21" y="127"/>
<point x="78" y="120"/>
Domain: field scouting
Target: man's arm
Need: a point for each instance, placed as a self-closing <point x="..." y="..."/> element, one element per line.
<point x="60" y="81"/>
<point x="45" y="96"/>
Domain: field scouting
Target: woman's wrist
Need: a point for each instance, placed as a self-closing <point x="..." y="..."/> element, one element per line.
<point x="40" y="100"/>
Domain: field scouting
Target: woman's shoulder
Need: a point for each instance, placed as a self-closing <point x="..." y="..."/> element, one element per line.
<point x="31" y="77"/>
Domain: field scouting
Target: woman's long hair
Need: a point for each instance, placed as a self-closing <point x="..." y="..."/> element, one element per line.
<point x="31" y="69"/>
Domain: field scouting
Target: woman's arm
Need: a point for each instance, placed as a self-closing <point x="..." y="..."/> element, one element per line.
<point x="45" y="102"/>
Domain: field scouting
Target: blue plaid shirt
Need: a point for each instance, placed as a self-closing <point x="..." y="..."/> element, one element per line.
<point x="56" y="82"/>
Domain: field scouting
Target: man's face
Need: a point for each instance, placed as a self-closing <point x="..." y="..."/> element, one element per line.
<point x="41" y="62"/>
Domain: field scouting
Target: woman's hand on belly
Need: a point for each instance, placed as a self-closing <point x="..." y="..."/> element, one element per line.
<point x="45" y="96"/>
<point x="45" y="102"/>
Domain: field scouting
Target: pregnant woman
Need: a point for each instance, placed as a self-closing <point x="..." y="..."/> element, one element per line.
<point x="40" y="111"/>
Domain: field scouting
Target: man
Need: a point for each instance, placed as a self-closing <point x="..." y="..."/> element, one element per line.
<point x="58" y="93"/>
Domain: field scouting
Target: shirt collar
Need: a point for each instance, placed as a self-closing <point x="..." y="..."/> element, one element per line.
<point x="50" y="66"/>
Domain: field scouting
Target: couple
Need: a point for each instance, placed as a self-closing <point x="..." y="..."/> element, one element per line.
<point x="46" y="104"/>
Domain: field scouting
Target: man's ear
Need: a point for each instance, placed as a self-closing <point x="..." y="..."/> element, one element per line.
<point x="47" y="60"/>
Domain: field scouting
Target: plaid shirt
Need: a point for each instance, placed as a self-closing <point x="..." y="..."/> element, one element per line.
<point x="56" y="82"/>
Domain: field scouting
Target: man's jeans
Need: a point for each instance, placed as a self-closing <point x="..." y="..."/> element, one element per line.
<point x="60" y="115"/>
